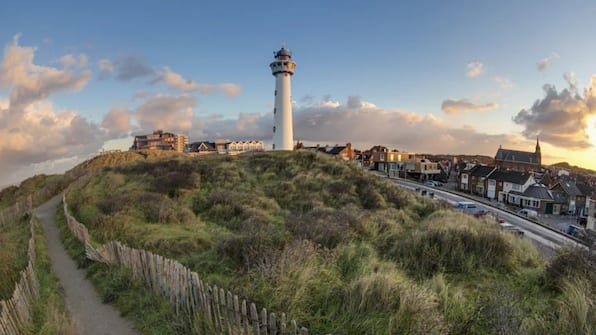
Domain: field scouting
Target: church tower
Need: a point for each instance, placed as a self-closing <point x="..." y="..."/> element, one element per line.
<point x="538" y="153"/>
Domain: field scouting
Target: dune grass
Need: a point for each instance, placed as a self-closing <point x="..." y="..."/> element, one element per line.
<point x="337" y="249"/>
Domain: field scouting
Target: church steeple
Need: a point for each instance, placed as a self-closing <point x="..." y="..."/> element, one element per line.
<point x="537" y="152"/>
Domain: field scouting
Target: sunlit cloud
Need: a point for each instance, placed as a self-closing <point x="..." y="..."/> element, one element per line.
<point x="561" y="118"/>
<point x="180" y="84"/>
<point x="460" y="106"/>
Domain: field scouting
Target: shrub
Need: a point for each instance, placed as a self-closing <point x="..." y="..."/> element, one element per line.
<point x="324" y="226"/>
<point x="571" y="263"/>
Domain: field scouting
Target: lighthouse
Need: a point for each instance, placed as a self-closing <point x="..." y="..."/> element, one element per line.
<point x="283" y="68"/>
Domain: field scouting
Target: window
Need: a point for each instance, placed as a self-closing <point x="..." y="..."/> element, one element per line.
<point x="275" y="92"/>
<point x="274" y="109"/>
<point x="274" y="129"/>
<point x="273" y="146"/>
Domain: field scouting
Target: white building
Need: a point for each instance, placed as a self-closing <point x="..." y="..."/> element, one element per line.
<point x="283" y="69"/>
<point x="591" y="224"/>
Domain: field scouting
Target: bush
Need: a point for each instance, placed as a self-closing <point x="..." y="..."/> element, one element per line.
<point x="325" y="226"/>
<point x="571" y="263"/>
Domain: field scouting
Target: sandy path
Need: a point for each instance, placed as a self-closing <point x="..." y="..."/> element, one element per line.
<point x="84" y="304"/>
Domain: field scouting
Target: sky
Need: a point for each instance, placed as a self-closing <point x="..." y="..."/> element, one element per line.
<point x="452" y="77"/>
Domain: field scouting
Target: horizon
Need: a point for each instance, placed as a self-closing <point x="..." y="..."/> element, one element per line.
<point x="446" y="78"/>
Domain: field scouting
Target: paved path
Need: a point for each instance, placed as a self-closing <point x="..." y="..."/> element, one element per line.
<point x="83" y="303"/>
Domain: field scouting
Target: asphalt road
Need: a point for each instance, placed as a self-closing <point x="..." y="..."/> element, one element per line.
<point x="541" y="235"/>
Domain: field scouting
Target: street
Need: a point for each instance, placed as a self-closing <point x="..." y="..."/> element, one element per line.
<point x="543" y="236"/>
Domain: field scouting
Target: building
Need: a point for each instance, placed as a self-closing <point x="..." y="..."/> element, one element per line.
<point x="576" y="201"/>
<point x="591" y="222"/>
<point x="202" y="147"/>
<point x="283" y="69"/>
<point x="392" y="162"/>
<point x="225" y="147"/>
<point x="159" y="140"/>
<point x="344" y="152"/>
<point x="181" y="142"/>
<point x="519" y="160"/>
<point x="501" y="183"/>
<point x="236" y="147"/>
<point x="472" y="180"/>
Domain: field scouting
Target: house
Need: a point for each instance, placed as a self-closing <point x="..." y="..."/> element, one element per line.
<point x="591" y="222"/>
<point x="536" y="197"/>
<point x="588" y="193"/>
<point x="344" y="152"/>
<point x="501" y="182"/>
<point x="225" y="147"/>
<point x="472" y="181"/>
<point x="519" y="160"/>
<point x="202" y="147"/>
<point x="575" y="199"/>
<point x="391" y="161"/>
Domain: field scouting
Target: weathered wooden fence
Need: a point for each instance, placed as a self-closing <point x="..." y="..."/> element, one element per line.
<point x="16" y="313"/>
<point x="205" y="305"/>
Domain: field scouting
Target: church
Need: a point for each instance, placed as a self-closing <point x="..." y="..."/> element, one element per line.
<point x="519" y="160"/>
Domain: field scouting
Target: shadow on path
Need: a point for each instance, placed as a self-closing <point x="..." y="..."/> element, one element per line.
<point x="84" y="304"/>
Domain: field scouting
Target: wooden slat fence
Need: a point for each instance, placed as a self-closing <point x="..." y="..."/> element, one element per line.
<point x="16" y="313"/>
<point x="204" y="304"/>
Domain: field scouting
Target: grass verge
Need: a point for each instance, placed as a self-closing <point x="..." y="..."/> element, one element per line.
<point x="49" y="315"/>
<point x="151" y="313"/>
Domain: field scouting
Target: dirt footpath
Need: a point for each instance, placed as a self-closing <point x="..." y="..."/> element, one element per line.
<point x="84" y="304"/>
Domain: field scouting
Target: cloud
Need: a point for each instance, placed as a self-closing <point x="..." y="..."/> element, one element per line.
<point x="117" y="122"/>
<point x="32" y="130"/>
<point x="571" y="80"/>
<point x="545" y="63"/>
<point x="503" y="82"/>
<point x="125" y="68"/>
<point x="560" y="118"/>
<point x="474" y="69"/>
<point x="355" y="121"/>
<point x="230" y="89"/>
<point x="363" y="124"/>
<point x="460" y="106"/>
<point x="168" y="112"/>
<point x="180" y="84"/>
<point x="70" y="60"/>
<point x="29" y="82"/>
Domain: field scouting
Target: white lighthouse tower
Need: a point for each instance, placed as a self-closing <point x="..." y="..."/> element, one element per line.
<point x="283" y="69"/>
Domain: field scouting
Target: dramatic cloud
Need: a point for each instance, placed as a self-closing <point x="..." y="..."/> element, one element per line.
<point x="32" y="130"/>
<point x="460" y="106"/>
<point x="176" y="82"/>
<point x="474" y="69"/>
<point x="560" y="118"/>
<point x="545" y="63"/>
<point x="332" y="122"/>
<point x="29" y="82"/>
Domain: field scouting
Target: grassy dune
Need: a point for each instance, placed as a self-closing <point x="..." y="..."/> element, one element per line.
<point x="341" y="251"/>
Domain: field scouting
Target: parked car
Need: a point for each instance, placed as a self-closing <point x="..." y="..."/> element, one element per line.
<point x="470" y="208"/>
<point x="528" y="213"/>
<point x="511" y="228"/>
